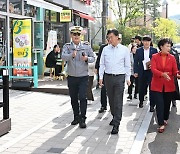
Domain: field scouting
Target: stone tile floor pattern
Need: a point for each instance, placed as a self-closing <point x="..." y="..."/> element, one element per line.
<point x="41" y="125"/>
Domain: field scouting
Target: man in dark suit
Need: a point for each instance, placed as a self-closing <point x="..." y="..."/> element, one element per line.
<point x="142" y="69"/>
<point x="103" y="89"/>
<point x="174" y="52"/>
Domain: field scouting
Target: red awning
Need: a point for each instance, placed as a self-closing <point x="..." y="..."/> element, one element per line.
<point x="85" y="16"/>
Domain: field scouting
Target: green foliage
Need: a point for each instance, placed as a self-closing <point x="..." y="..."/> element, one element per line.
<point x="126" y="10"/>
<point x="110" y="24"/>
<point x="129" y="32"/>
<point x="95" y="47"/>
<point x="165" y="28"/>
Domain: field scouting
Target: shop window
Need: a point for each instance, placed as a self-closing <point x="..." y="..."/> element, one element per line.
<point x="85" y="23"/>
<point x="3" y="5"/>
<point x="82" y="22"/>
<point x="76" y="20"/>
<point x="15" y="6"/>
<point x="47" y="15"/>
<point x="53" y="16"/>
<point x="29" y="10"/>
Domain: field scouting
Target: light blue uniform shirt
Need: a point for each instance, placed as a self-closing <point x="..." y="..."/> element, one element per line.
<point x="115" y="60"/>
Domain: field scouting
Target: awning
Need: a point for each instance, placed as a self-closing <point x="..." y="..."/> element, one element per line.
<point x="44" y="4"/>
<point x="85" y="16"/>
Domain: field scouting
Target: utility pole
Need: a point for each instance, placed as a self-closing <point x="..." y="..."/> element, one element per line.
<point x="144" y="5"/>
<point x="104" y="15"/>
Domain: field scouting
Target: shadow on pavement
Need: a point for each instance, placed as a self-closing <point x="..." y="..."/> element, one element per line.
<point x="68" y="139"/>
<point x="167" y="142"/>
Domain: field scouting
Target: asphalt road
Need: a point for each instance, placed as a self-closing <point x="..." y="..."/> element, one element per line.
<point x="167" y="142"/>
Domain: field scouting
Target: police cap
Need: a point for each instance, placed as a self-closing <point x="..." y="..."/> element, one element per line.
<point x="75" y="29"/>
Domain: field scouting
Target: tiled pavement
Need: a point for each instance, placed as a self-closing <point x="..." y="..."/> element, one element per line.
<point x="41" y="125"/>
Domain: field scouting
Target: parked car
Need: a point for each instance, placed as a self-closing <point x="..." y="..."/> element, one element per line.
<point x="177" y="47"/>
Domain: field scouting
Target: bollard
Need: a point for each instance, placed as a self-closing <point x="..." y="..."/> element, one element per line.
<point x="35" y="74"/>
<point x="5" y="94"/>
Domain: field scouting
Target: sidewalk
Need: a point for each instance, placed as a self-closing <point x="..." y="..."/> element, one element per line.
<point x="169" y="141"/>
<point x="41" y="125"/>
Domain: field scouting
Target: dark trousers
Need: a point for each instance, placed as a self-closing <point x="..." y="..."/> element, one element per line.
<point x="163" y="102"/>
<point x="103" y="95"/>
<point x="115" y="91"/>
<point x="78" y="91"/>
<point x="89" y="91"/>
<point x="145" y="80"/>
<point x="58" y="69"/>
<point x="133" y="80"/>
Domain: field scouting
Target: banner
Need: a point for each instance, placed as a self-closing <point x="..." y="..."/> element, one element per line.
<point x="52" y="40"/>
<point x="22" y="46"/>
<point x="65" y="16"/>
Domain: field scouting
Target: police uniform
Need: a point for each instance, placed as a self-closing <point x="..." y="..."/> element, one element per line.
<point x="77" y="71"/>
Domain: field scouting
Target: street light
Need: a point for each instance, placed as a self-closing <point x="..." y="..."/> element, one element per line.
<point x="165" y="4"/>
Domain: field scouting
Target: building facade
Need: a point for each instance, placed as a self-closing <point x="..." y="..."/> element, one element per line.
<point x="45" y="16"/>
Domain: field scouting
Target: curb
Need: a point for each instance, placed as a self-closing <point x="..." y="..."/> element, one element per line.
<point x="141" y="135"/>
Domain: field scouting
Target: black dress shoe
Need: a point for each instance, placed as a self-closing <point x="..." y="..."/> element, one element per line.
<point x="82" y="123"/>
<point x="115" y="130"/>
<point x="151" y="109"/>
<point x="141" y="105"/>
<point x="111" y="123"/>
<point x="75" y="121"/>
<point x="129" y="97"/>
<point x="102" y="109"/>
<point x="173" y="103"/>
<point x="135" y="96"/>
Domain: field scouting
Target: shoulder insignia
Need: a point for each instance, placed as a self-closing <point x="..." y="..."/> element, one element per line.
<point x="68" y="44"/>
<point x="86" y="43"/>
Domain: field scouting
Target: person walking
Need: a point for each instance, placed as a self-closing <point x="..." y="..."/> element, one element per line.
<point x="176" y="55"/>
<point x="142" y="70"/>
<point x="138" y="40"/>
<point x="91" y="73"/>
<point x="132" y="78"/>
<point x="164" y="69"/>
<point x="78" y="54"/>
<point x="103" y="88"/>
<point x="115" y="67"/>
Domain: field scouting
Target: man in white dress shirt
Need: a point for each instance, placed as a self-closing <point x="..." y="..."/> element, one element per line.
<point x="115" y="66"/>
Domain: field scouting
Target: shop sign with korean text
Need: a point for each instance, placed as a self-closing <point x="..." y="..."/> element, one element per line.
<point x="66" y="16"/>
<point x="22" y="33"/>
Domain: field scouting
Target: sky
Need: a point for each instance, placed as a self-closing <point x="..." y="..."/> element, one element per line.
<point x="173" y="7"/>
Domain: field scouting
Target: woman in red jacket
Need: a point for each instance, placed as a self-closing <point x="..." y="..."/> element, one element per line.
<point x="164" y="68"/>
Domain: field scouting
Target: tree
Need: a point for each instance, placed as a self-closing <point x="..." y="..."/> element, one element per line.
<point x="165" y="28"/>
<point x="126" y="10"/>
<point x="152" y="6"/>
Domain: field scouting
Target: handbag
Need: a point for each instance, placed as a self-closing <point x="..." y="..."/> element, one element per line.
<point x="176" y="93"/>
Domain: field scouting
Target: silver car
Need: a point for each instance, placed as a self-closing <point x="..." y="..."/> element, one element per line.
<point x="177" y="47"/>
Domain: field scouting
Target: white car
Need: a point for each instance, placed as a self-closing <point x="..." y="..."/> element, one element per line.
<point x="177" y="47"/>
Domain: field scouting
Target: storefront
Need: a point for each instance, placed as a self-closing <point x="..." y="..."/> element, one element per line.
<point x="52" y="22"/>
<point x="2" y="38"/>
<point x="23" y="9"/>
<point x="46" y="17"/>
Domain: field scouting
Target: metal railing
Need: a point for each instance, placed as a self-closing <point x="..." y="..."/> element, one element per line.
<point x="34" y="77"/>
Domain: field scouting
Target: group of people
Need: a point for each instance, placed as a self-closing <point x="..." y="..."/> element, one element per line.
<point x="116" y="65"/>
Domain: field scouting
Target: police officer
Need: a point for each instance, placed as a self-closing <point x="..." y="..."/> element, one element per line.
<point x="78" y="54"/>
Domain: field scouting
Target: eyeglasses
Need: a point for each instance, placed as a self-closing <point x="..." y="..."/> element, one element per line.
<point x="76" y="34"/>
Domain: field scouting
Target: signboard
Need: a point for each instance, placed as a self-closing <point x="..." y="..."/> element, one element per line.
<point x="22" y="46"/>
<point x="66" y="16"/>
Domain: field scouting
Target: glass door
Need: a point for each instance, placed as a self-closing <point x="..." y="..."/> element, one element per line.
<point x="2" y="39"/>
